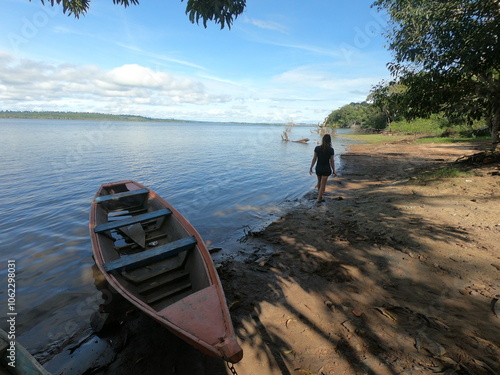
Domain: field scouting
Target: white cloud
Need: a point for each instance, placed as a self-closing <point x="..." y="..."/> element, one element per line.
<point x="307" y="93"/>
<point x="322" y="51"/>
<point x="268" y="25"/>
<point x="134" y="75"/>
<point x="161" y="57"/>
<point x="27" y="83"/>
<point x="312" y="77"/>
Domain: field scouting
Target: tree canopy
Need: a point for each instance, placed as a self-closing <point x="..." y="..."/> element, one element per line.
<point x="363" y="115"/>
<point x="447" y="56"/>
<point x="222" y="12"/>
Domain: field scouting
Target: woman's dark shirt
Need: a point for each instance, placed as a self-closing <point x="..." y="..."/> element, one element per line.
<point x="323" y="163"/>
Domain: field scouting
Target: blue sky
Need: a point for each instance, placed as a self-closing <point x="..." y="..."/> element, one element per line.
<point x="282" y="61"/>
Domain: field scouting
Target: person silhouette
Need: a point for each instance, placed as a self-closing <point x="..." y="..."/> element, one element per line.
<point x="325" y="164"/>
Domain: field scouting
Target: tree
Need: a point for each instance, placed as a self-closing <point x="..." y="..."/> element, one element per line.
<point x="363" y="115"/>
<point x="447" y="55"/>
<point x="383" y="97"/>
<point x="223" y="12"/>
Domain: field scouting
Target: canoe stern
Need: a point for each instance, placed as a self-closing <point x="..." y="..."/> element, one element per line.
<point x="230" y="350"/>
<point x="202" y="318"/>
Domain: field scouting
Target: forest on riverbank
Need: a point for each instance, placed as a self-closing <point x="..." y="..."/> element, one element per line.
<point x="56" y="115"/>
<point x="369" y="117"/>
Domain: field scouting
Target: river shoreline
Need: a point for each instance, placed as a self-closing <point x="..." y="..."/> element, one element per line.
<point x="392" y="274"/>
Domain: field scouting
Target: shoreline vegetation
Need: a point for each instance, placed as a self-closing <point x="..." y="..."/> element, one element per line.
<point x="417" y="138"/>
<point x="93" y="116"/>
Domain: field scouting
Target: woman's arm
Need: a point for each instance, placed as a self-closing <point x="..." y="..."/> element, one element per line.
<point x="332" y="164"/>
<point x="315" y="157"/>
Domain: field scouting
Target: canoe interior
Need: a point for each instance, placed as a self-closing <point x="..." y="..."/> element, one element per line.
<point x="158" y="283"/>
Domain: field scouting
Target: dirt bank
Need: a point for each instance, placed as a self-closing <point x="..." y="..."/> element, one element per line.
<point x="393" y="274"/>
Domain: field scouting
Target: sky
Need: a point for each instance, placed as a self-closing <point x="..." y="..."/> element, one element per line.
<point x="282" y="61"/>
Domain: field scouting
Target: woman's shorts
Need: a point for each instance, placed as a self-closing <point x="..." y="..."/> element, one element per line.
<point x="323" y="172"/>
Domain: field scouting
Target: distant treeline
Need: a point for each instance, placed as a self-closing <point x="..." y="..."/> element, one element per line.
<point x="75" y="116"/>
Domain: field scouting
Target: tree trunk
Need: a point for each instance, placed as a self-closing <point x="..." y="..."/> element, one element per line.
<point x="494" y="125"/>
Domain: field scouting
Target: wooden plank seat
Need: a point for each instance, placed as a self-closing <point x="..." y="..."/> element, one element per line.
<point x="118" y="196"/>
<point x="129" y="262"/>
<point x="162" y="280"/>
<point x="112" y="215"/>
<point x="168" y="292"/>
<point x="151" y="271"/>
<point x="132" y="220"/>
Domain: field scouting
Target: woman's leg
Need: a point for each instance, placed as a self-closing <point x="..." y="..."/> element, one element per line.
<point x="322" y="187"/>
<point x="319" y="182"/>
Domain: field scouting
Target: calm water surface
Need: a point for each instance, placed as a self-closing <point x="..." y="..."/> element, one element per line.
<point x="222" y="177"/>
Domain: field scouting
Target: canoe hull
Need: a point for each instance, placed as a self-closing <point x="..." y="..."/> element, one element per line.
<point x="16" y="359"/>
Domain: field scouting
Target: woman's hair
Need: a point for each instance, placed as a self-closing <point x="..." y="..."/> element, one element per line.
<point x="326" y="143"/>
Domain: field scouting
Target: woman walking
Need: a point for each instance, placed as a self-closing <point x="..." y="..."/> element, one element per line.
<point x="325" y="165"/>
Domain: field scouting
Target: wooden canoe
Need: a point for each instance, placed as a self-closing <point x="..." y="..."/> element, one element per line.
<point x="150" y="254"/>
<point x="16" y="360"/>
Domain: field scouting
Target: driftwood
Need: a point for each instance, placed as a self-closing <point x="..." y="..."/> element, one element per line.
<point x="284" y="136"/>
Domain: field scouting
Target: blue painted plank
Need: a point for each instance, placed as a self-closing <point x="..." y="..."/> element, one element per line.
<point x="132" y="220"/>
<point x="130" y="262"/>
<point x="117" y="196"/>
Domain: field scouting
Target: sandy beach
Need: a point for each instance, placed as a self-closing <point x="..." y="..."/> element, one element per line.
<point x="392" y="274"/>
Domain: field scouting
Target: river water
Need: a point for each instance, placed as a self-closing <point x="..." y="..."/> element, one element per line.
<point x="224" y="178"/>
